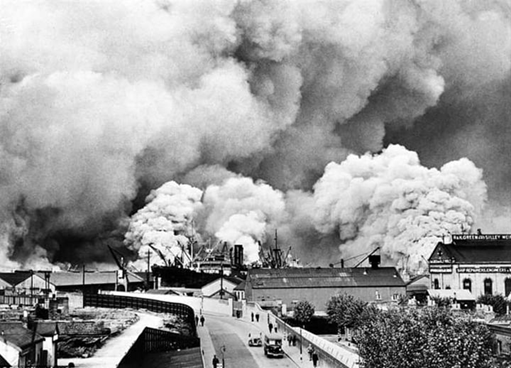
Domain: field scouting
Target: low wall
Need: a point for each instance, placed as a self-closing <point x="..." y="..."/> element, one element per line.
<point x="218" y="306"/>
<point x="332" y="354"/>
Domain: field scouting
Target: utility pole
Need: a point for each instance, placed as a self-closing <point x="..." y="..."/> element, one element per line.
<point x="221" y="281"/>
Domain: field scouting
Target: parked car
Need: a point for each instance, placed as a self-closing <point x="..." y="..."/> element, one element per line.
<point x="255" y="341"/>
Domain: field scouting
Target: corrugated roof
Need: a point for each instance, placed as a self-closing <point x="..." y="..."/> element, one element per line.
<point x="323" y="277"/>
<point x="91" y="278"/>
<point x="16" y="334"/>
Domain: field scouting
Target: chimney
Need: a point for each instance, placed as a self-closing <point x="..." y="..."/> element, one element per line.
<point x="374" y="261"/>
<point x="238" y="255"/>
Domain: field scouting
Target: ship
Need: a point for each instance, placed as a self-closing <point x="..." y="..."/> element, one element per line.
<point x="210" y="263"/>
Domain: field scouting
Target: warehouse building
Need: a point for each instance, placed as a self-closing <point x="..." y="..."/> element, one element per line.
<point x="479" y="263"/>
<point x="288" y="286"/>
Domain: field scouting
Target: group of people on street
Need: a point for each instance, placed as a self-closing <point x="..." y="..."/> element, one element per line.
<point x="201" y="320"/>
<point x="256" y="317"/>
<point x="313" y="355"/>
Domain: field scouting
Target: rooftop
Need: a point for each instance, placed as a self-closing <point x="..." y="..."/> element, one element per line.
<point x="488" y="248"/>
<point x="17" y="335"/>
<point x="324" y="277"/>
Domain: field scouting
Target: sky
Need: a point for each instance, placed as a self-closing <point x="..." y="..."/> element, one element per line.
<point x="345" y="125"/>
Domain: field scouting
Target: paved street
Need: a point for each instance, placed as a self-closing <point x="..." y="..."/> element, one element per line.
<point x="233" y="334"/>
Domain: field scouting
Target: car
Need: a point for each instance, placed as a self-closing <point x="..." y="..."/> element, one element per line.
<point x="273" y="345"/>
<point x="255" y="341"/>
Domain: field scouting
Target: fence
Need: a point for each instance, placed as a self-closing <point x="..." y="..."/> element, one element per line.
<point x="157" y="341"/>
<point x="158" y="306"/>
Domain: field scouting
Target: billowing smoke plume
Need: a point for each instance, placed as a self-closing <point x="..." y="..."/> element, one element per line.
<point x="165" y="224"/>
<point x="102" y="102"/>
<point x="237" y="212"/>
<point x="392" y="202"/>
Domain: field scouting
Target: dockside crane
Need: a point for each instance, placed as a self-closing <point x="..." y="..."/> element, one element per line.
<point x="122" y="272"/>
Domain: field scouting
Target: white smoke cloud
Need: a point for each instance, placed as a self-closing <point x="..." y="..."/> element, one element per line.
<point x="242" y="211"/>
<point x="165" y="224"/>
<point x="392" y="202"/>
<point x="101" y="102"/>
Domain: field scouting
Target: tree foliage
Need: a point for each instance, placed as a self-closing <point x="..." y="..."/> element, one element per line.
<point x="423" y="338"/>
<point x="303" y="311"/>
<point x="498" y="302"/>
<point x="345" y="310"/>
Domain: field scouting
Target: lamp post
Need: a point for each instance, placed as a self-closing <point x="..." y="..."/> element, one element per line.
<point x="223" y="356"/>
<point x="301" y="344"/>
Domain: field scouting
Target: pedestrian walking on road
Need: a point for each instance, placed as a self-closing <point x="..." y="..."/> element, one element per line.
<point x="310" y="350"/>
<point x="294" y="340"/>
<point x="252" y="315"/>
<point x="257" y="317"/>
<point x="270" y="327"/>
<point x="215" y="361"/>
<point x="202" y="320"/>
<point x="196" y="320"/>
<point x="315" y="359"/>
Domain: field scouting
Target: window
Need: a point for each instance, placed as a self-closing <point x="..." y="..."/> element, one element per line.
<point x="436" y="284"/>
<point x="467" y="284"/>
<point x="378" y="296"/>
<point x="507" y="286"/>
<point x="488" y="286"/>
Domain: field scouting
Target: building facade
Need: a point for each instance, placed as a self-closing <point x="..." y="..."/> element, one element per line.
<point x="479" y="263"/>
<point x="288" y="286"/>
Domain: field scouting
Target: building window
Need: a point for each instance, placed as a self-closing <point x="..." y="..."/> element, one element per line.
<point x="488" y="286"/>
<point x="378" y="296"/>
<point x="436" y="284"/>
<point x="467" y="284"/>
<point x="507" y="286"/>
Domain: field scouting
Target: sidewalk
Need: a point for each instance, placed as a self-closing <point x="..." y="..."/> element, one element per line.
<point x="206" y="344"/>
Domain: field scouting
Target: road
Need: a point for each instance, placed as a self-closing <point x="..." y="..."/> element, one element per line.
<point x="233" y="334"/>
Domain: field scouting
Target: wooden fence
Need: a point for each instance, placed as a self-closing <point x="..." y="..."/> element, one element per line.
<point x="158" y="306"/>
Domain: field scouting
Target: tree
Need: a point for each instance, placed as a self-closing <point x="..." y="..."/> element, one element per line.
<point x="498" y="302"/>
<point x="425" y="338"/>
<point x="345" y="310"/>
<point x="303" y="312"/>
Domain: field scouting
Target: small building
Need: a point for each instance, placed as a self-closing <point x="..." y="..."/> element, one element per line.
<point x="239" y="291"/>
<point x="49" y="330"/>
<point x="221" y="287"/>
<point x="480" y="263"/>
<point x="288" y="286"/>
<point x="417" y="288"/>
<point x="19" y="346"/>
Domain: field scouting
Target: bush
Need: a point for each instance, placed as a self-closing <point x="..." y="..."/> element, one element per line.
<point x="425" y="338"/>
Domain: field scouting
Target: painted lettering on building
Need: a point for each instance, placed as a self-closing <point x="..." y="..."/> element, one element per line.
<point x="484" y="270"/>
<point x="482" y="237"/>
